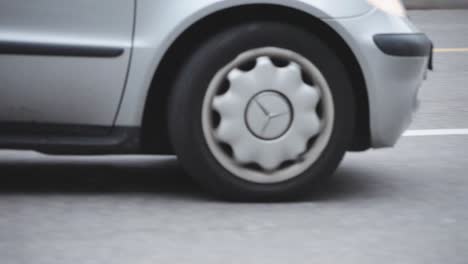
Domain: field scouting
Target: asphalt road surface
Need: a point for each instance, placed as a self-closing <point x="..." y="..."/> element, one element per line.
<point x="403" y="205"/>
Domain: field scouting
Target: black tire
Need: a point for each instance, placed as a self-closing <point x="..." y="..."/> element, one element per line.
<point x="185" y="125"/>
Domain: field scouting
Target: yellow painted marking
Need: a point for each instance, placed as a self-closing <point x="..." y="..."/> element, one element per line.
<point x="451" y="50"/>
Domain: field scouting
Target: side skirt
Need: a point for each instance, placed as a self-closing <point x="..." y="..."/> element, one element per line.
<point x="70" y="139"/>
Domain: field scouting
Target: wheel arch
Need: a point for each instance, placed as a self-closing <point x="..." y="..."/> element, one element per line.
<point x="155" y="138"/>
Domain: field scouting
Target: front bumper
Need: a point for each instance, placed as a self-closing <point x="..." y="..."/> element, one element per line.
<point x="394" y="57"/>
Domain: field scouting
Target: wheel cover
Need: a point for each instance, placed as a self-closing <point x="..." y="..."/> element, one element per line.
<point x="269" y="116"/>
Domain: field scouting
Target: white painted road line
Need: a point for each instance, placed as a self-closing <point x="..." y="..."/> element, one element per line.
<point x="436" y="132"/>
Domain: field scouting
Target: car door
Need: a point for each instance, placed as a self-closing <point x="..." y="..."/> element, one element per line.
<point x="63" y="62"/>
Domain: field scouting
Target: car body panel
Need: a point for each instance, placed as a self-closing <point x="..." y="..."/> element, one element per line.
<point x="392" y="101"/>
<point x="63" y="89"/>
<point x="392" y="82"/>
<point x="159" y="23"/>
<point x="113" y="91"/>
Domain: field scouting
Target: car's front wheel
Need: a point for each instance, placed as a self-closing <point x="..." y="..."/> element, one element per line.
<point x="261" y="111"/>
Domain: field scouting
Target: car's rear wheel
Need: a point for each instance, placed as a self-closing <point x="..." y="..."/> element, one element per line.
<point x="261" y="111"/>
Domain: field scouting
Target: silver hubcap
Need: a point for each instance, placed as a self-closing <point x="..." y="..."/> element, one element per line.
<point x="270" y="125"/>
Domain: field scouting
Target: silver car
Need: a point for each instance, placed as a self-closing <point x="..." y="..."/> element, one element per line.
<point x="259" y="99"/>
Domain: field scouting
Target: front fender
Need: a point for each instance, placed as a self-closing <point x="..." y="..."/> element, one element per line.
<point x="159" y="23"/>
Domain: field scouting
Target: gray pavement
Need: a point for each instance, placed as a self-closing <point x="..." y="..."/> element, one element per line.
<point x="445" y="95"/>
<point x="401" y="205"/>
<point x="434" y="4"/>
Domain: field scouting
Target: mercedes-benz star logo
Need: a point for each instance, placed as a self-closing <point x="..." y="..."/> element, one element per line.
<point x="269" y="115"/>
